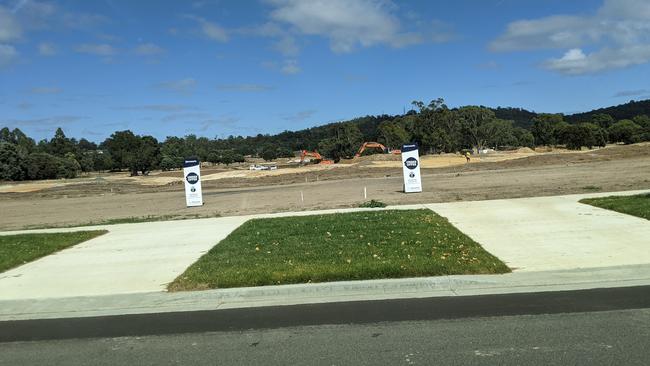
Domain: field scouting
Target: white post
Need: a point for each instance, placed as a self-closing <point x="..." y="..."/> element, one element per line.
<point x="365" y="193"/>
<point x="302" y="197"/>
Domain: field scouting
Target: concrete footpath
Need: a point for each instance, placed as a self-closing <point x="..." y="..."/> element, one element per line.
<point x="552" y="243"/>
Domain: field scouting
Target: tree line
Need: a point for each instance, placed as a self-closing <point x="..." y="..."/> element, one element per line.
<point x="433" y="126"/>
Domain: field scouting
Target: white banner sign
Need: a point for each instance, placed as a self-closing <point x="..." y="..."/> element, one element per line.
<point x="192" y="174"/>
<point x="411" y="168"/>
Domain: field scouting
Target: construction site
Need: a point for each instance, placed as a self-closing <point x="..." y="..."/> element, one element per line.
<point x="308" y="182"/>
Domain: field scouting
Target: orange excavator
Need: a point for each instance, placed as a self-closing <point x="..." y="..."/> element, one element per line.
<point x="315" y="156"/>
<point x="377" y="145"/>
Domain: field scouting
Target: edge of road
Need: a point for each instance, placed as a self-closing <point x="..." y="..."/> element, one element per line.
<point x="320" y="293"/>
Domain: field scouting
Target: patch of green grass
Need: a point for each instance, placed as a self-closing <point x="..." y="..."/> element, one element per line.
<point x="16" y="250"/>
<point x="337" y="247"/>
<point x="372" y="204"/>
<point x="638" y="205"/>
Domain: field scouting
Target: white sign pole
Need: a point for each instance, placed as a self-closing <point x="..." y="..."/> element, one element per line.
<point x="411" y="168"/>
<point x="192" y="178"/>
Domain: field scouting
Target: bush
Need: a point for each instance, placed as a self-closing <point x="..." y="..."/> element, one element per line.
<point x="372" y="204"/>
<point x="625" y="131"/>
<point x="11" y="162"/>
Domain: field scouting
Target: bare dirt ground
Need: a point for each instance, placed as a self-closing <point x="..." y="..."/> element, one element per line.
<point x="237" y="191"/>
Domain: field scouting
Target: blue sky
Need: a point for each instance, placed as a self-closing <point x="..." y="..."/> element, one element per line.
<point x="219" y="68"/>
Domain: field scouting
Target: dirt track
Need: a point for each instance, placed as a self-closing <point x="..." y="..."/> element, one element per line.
<point x="612" y="169"/>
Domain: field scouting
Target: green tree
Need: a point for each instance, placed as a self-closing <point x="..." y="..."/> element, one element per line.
<point x="625" y="131"/>
<point x="524" y="137"/>
<point x="60" y="145"/>
<point x="497" y="133"/>
<point x="12" y="164"/>
<point x="146" y="157"/>
<point x="544" y="127"/>
<point x="603" y="120"/>
<point x="122" y="145"/>
<point x="269" y="153"/>
<point x="472" y="121"/>
<point x="344" y="143"/>
<point x="392" y="134"/>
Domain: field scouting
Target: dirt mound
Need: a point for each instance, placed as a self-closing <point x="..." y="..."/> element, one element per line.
<point x="525" y="150"/>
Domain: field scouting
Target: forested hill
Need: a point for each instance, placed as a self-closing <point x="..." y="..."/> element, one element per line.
<point x="622" y="111"/>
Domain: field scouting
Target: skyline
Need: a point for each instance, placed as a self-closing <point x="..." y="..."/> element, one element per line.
<point x="219" y="68"/>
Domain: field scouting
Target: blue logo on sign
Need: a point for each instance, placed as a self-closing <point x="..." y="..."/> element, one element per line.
<point x="192" y="178"/>
<point x="411" y="163"/>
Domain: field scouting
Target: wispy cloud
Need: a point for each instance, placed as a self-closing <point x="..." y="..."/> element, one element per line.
<point x="209" y="29"/>
<point x="631" y="93"/>
<point x="47" y="49"/>
<point x="45" y="90"/>
<point x="616" y="35"/>
<point x="55" y="120"/>
<point x="245" y="87"/>
<point x="8" y="55"/>
<point x="158" y="108"/>
<point x="290" y="67"/>
<point x="300" y="116"/>
<point x="149" y="49"/>
<point x="100" y="49"/>
<point x="182" y="86"/>
<point x="10" y="29"/>
<point x="186" y="117"/>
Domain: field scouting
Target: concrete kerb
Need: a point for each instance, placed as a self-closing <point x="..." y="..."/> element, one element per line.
<point x="444" y="286"/>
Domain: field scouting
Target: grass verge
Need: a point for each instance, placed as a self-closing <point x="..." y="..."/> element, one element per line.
<point x="126" y="220"/>
<point x="638" y="205"/>
<point x="337" y="247"/>
<point x="16" y="250"/>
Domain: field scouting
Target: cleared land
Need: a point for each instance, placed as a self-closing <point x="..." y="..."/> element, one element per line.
<point x="16" y="250"/>
<point x="632" y="205"/>
<point x="445" y="178"/>
<point x="336" y="247"/>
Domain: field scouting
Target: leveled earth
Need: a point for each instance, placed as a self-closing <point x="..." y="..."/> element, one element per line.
<point x="236" y="191"/>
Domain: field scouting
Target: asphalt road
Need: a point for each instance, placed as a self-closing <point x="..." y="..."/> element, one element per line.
<point x="596" y="338"/>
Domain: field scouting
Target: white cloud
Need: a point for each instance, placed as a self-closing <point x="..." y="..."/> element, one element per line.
<point x="210" y="29"/>
<point x="101" y="49"/>
<point x="10" y="29"/>
<point x="346" y="23"/>
<point x="46" y="49"/>
<point x="619" y="33"/>
<point x="576" y="62"/>
<point x="182" y="86"/>
<point x="8" y="54"/>
<point x="149" y="49"/>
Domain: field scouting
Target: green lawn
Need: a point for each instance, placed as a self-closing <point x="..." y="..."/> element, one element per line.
<point x="638" y="205"/>
<point x="336" y="247"/>
<point x="16" y="250"/>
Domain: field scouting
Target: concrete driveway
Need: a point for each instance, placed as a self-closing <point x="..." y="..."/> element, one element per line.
<point x="552" y="233"/>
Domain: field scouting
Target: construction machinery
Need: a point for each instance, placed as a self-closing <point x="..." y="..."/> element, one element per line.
<point x="377" y="145"/>
<point x="313" y="156"/>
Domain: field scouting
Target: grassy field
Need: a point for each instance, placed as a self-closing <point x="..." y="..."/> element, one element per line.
<point x="350" y="246"/>
<point x="16" y="250"/>
<point x="638" y="205"/>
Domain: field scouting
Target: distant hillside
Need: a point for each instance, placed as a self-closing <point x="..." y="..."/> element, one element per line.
<point x="521" y="117"/>
<point x="619" y="112"/>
